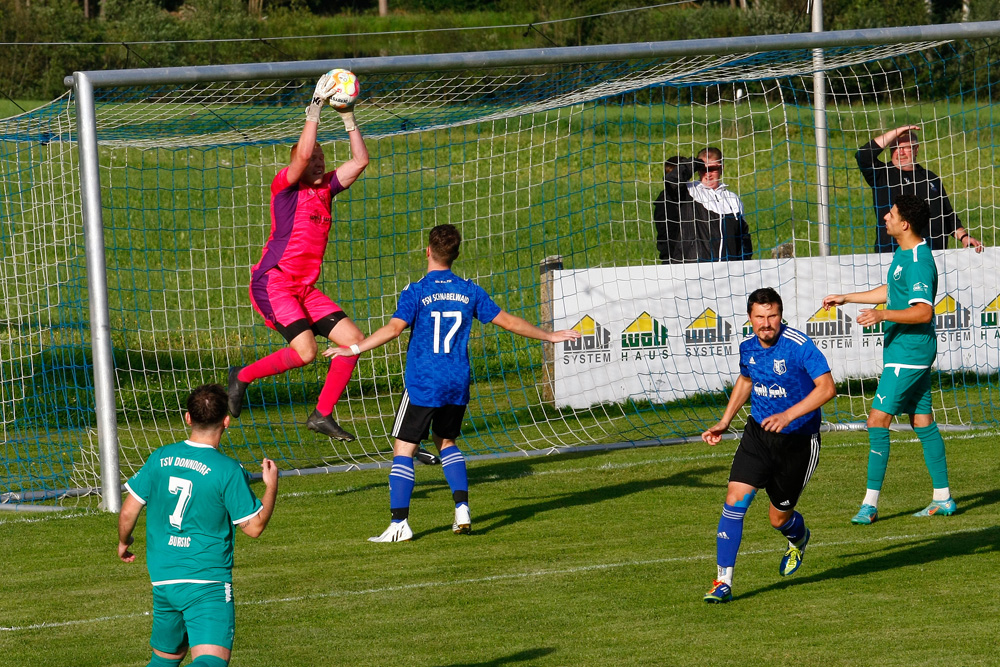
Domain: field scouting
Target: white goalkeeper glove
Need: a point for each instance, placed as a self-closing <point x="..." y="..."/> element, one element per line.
<point x="324" y="88"/>
<point x="347" y="115"/>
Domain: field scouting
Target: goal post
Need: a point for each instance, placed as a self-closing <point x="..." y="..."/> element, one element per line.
<point x="549" y="161"/>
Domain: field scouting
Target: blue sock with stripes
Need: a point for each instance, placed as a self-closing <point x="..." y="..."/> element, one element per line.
<point x="727" y="540"/>
<point x="401" y="482"/>
<point x="456" y="474"/>
<point x="794" y="529"/>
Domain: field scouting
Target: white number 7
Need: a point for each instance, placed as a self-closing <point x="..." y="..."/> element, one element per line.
<point x="179" y="485"/>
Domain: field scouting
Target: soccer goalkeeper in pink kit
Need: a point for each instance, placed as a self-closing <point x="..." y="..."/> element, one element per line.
<point x="282" y="283"/>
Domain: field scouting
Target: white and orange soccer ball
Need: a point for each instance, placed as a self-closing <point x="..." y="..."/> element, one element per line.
<point x="345" y="88"/>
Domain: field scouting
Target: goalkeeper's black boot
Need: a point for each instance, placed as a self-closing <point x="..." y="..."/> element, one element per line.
<point x="237" y="388"/>
<point x="326" y="425"/>
<point x="426" y="457"/>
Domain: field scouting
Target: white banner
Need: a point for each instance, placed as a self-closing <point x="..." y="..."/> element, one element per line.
<point x="661" y="333"/>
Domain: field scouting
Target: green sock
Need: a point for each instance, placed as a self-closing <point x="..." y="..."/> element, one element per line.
<point x="933" y="443"/>
<point x="878" y="456"/>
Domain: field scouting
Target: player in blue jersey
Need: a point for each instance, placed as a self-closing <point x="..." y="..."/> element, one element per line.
<point x="910" y="349"/>
<point x="194" y="495"/>
<point x="787" y="380"/>
<point x="439" y="309"/>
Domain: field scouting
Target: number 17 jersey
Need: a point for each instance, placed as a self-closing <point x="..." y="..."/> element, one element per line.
<point x="440" y="308"/>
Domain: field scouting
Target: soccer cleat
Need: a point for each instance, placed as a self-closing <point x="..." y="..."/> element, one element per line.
<point x="866" y="515"/>
<point x="463" y="521"/>
<point x="792" y="559"/>
<point x="326" y="425"/>
<point x="425" y="457"/>
<point x="721" y="592"/>
<point x="236" y="390"/>
<point x="396" y="532"/>
<point x="939" y="507"/>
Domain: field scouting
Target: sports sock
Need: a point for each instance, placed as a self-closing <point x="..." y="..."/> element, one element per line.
<point x="878" y="456"/>
<point x="942" y="495"/>
<point x="401" y="482"/>
<point x="160" y="661"/>
<point x="871" y="497"/>
<point x="730" y="533"/>
<point x="283" y="360"/>
<point x="456" y="474"/>
<point x="337" y="378"/>
<point x="934" y="457"/>
<point x="794" y="529"/>
<point x="208" y="661"/>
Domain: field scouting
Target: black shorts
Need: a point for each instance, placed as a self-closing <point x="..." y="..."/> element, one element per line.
<point x="779" y="463"/>
<point x="414" y="421"/>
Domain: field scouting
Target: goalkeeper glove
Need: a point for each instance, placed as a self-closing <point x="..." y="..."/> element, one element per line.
<point x="347" y="115"/>
<point x="324" y="88"/>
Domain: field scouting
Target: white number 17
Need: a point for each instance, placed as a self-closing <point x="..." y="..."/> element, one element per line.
<point x="454" y="314"/>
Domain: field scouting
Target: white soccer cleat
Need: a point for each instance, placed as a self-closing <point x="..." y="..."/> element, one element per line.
<point x="463" y="521"/>
<point x="396" y="532"/>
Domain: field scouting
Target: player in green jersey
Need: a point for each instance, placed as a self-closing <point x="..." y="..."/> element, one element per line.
<point x="910" y="347"/>
<point x="194" y="495"/>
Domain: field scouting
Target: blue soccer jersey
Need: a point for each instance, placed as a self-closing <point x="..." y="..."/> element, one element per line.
<point x="439" y="309"/>
<point x="783" y="375"/>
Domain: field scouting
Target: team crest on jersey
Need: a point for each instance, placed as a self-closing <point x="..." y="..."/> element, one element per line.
<point x="592" y="347"/>
<point x="708" y="335"/>
<point x="897" y="273"/>
<point x="645" y="338"/>
<point x="952" y="321"/>
<point x="831" y="329"/>
<point x="779" y="366"/>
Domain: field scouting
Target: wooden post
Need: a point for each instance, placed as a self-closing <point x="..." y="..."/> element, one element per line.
<point x="548" y="265"/>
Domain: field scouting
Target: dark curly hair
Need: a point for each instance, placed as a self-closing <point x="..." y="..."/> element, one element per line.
<point x="207" y="406"/>
<point x="915" y="211"/>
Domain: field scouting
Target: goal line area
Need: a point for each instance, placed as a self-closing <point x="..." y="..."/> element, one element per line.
<point x="550" y="167"/>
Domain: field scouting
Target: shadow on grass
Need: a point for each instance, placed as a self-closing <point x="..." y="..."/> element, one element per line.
<point x="520" y="656"/>
<point x="890" y="557"/>
<point x="593" y="496"/>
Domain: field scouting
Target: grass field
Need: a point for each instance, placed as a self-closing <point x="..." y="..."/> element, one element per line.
<point x="587" y="559"/>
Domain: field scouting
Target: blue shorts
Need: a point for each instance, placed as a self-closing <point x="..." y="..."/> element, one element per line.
<point x="187" y="614"/>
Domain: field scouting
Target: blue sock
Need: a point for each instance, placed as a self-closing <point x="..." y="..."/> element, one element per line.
<point x="794" y="529"/>
<point x="455" y="473"/>
<point x="727" y="540"/>
<point x="401" y="482"/>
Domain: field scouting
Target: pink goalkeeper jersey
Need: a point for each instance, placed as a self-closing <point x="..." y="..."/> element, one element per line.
<point x="300" y="227"/>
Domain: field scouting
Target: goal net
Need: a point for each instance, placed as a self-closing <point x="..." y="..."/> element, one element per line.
<point x="550" y="172"/>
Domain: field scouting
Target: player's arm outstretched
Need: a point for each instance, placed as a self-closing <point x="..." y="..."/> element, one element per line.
<point x="390" y="331"/>
<point x="873" y="296"/>
<point x="521" y="327"/>
<point x="917" y="313"/>
<point x="127" y="518"/>
<point x="737" y="399"/>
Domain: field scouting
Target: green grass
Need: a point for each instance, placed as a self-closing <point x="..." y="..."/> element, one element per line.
<point x="585" y="559"/>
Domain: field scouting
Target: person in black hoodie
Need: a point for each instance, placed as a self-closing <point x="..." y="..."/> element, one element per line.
<point x="904" y="176"/>
<point x="699" y="221"/>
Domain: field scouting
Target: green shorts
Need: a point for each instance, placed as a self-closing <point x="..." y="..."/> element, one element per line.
<point x="187" y="614"/>
<point x="904" y="391"/>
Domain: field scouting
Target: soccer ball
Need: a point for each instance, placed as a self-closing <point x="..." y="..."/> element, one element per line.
<point x="345" y="88"/>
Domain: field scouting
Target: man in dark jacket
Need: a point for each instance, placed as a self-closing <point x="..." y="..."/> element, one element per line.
<point x="699" y="221"/>
<point x="904" y="176"/>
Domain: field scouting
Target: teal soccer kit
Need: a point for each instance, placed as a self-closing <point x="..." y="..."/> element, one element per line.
<point x="194" y="497"/>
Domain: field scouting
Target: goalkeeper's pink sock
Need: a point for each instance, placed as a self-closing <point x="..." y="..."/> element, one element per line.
<point x="336" y="380"/>
<point x="283" y="360"/>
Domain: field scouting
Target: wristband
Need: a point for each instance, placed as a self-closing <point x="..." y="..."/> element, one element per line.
<point x="355" y="349"/>
<point x="962" y="238"/>
<point x="313" y="112"/>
